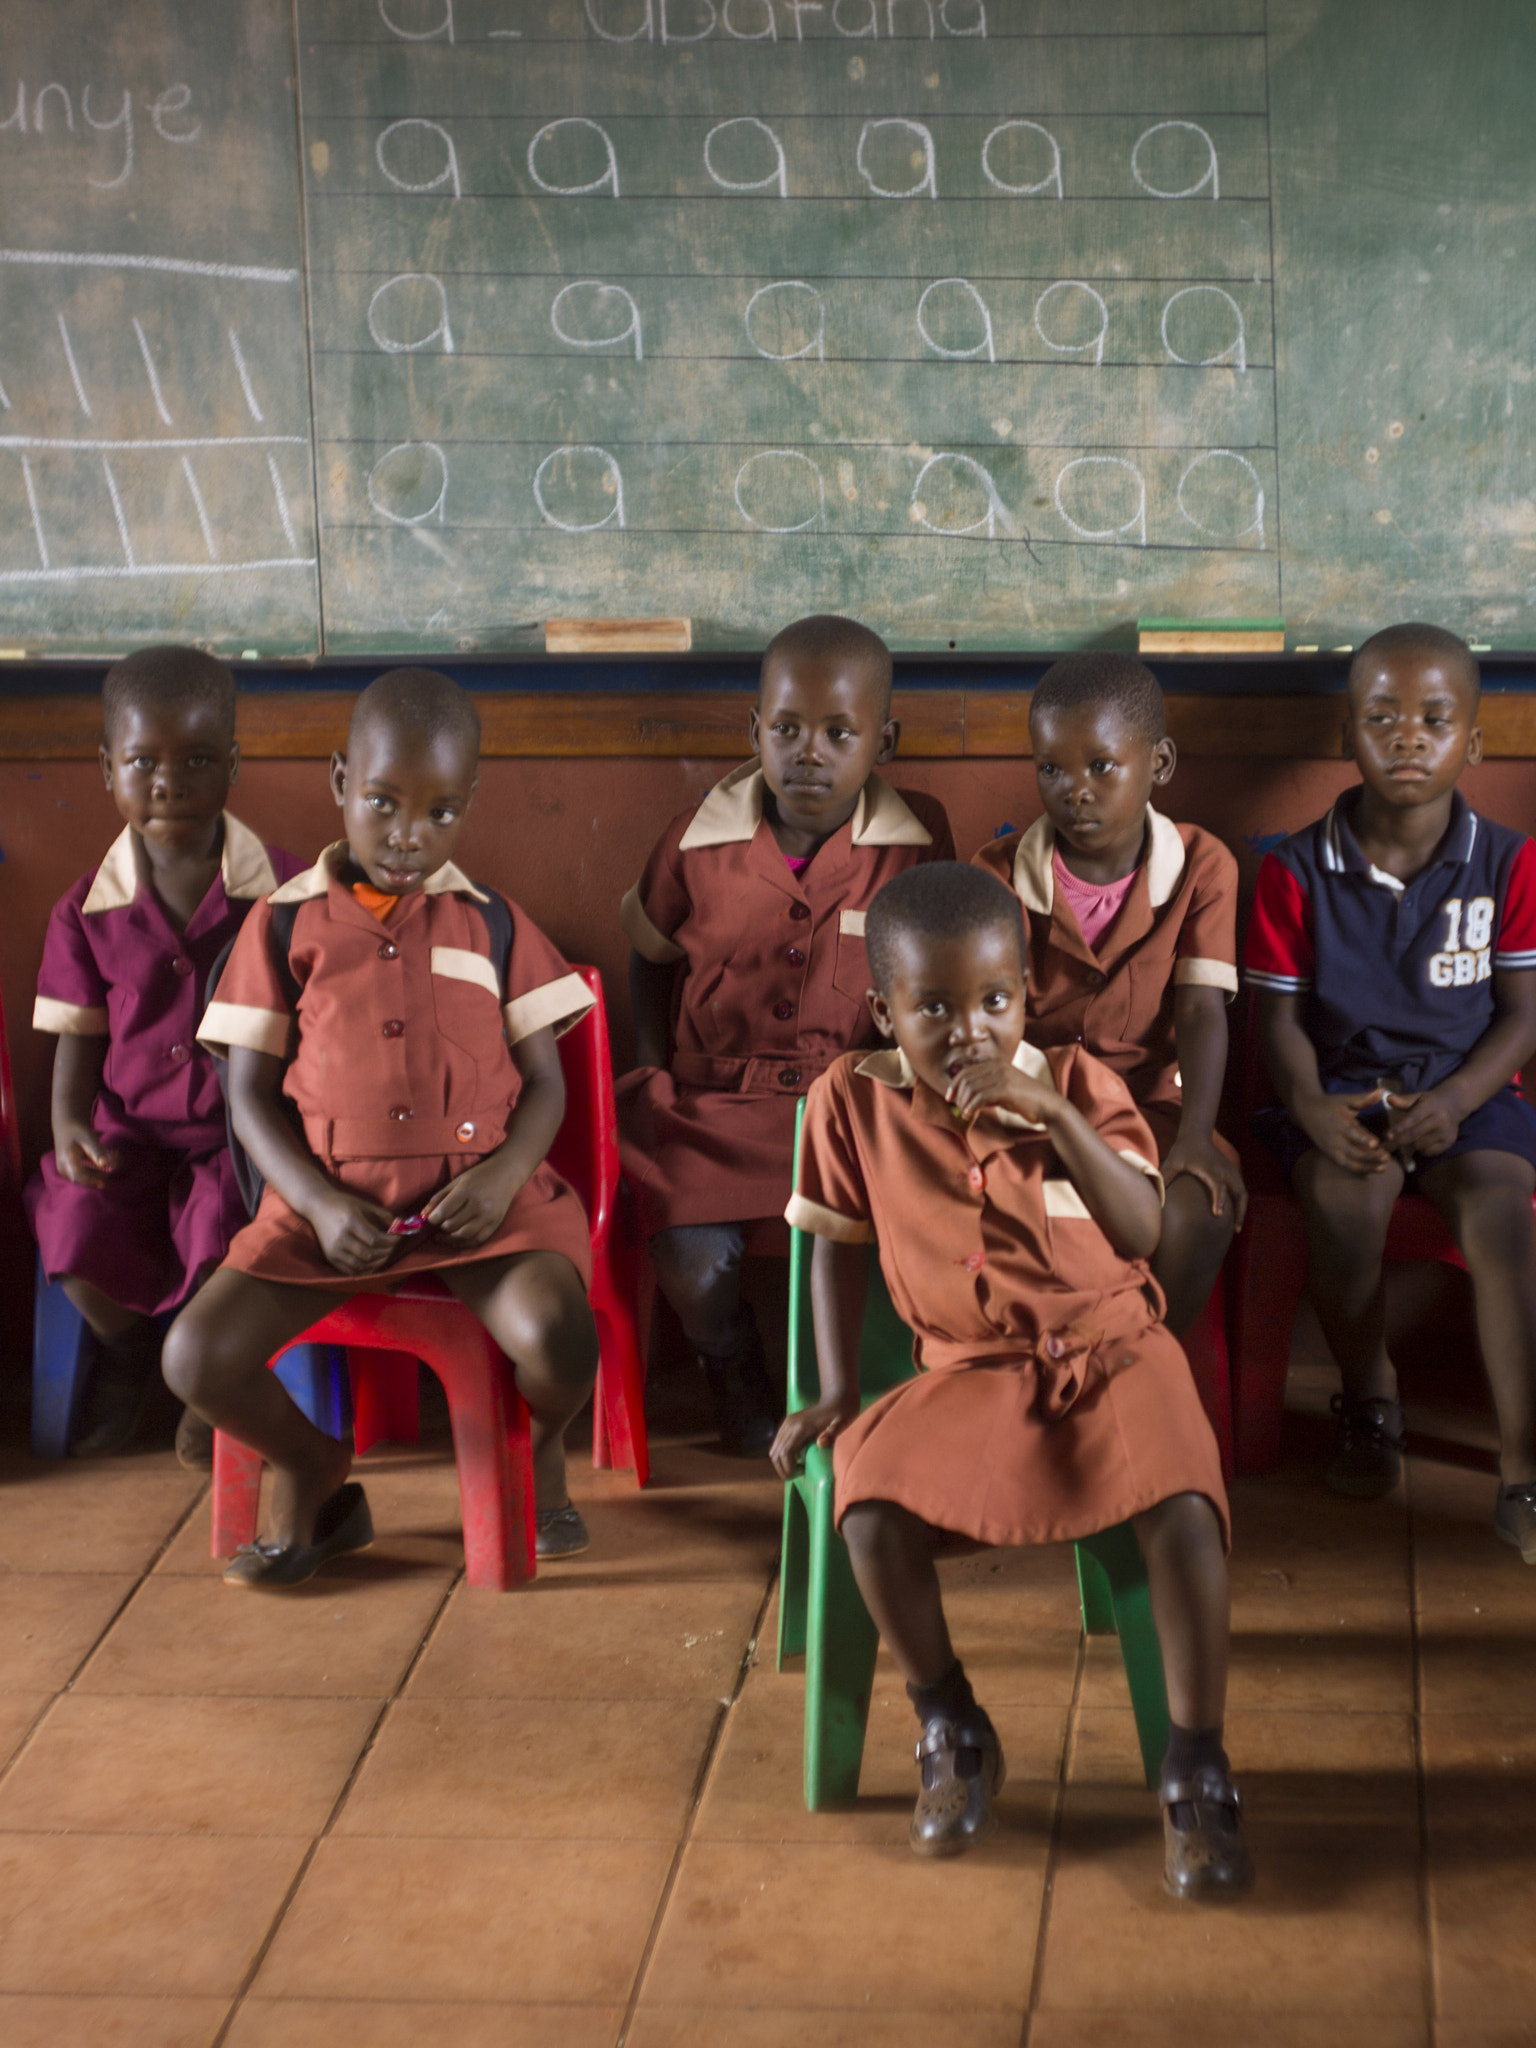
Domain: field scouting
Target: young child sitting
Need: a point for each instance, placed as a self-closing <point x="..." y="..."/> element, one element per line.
<point x="1392" y="947"/>
<point x="1132" y="925"/>
<point x="137" y="1200"/>
<point x="748" y="976"/>
<point x="1013" y="1200"/>
<point x="372" y="1085"/>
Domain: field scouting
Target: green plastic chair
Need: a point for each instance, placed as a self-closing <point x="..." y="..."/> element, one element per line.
<point x="821" y="1612"/>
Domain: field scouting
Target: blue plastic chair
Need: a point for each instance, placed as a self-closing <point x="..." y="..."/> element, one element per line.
<point x="64" y="1353"/>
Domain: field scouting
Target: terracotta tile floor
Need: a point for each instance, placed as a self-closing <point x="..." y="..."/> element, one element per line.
<point x="393" y="1811"/>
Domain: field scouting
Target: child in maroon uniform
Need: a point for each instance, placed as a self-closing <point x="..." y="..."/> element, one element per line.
<point x="428" y="1088"/>
<point x="137" y="1200"/>
<point x="748" y="978"/>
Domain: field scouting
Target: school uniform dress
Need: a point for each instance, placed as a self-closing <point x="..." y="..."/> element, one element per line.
<point x="1177" y="928"/>
<point x="397" y="1037"/>
<point x="1052" y="1401"/>
<point x="115" y="966"/>
<point x="1397" y="977"/>
<point x="774" y="989"/>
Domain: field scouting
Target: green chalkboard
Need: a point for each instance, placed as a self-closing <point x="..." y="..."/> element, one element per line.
<point x="999" y="322"/>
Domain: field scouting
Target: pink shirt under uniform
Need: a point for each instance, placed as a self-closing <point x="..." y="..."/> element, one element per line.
<point x="115" y="966"/>
<point x="1095" y="905"/>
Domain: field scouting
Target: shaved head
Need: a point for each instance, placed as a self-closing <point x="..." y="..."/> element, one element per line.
<point x="1429" y="643"/>
<point x="420" y="706"/>
<point x="825" y="639"/>
<point x="1116" y="682"/>
<point x="942" y="899"/>
<point x="155" y="678"/>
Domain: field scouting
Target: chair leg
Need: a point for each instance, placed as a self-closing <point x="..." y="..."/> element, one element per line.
<point x="63" y="1355"/>
<point x="493" y="1451"/>
<point x="236" y="1494"/>
<point x="794" y="1574"/>
<point x="1094" y="1594"/>
<point x="385" y="1399"/>
<point x="618" y="1410"/>
<point x="840" y="1650"/>
<point x="1205" y="1346"/>
<point x="1271" y="1275"/>
<point x="1118" y="1555"/>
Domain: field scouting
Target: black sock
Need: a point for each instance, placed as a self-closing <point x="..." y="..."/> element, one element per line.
<point x="1190" y="1750"/>
<point x="950" y="1695"/>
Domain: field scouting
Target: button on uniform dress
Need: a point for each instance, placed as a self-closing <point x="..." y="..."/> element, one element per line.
<point x="773" y="992"/>
<point x="1177" y="928"/>
<point x="398" y="1061"/>
<point x="1052" y="1401"/>
<point x="115" y="966"/>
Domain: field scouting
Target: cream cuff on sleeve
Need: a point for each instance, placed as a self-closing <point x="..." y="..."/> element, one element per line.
<point x="647" y="941"/>
<point x="1206" y="974"/>
<point x="554" y="1007"/>
<point x="230" y="1024"/>
<point x="804" y="1214"/>
<point x="69" y="1020"/>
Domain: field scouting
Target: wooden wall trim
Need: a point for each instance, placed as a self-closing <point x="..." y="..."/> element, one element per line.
<point x="303" y="725"/>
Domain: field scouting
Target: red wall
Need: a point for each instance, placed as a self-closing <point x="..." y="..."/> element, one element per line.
<point x="566" y="839"/>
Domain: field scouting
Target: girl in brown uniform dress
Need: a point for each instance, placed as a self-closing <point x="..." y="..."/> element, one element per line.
<point x="426" y="1092"/>
<point x="1014" y="1200"/>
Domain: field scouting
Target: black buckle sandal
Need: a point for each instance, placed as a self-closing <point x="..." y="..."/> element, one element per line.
<point x="962" y="1763"/>
<point x="1368" y="1447"/>
<point x="1209" y="1859"/>
<point x="342" y="1525"/>
<point x="559" y="1532"/>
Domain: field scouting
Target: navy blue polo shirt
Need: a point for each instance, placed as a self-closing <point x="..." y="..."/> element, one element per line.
<point x="1398" y="975"/>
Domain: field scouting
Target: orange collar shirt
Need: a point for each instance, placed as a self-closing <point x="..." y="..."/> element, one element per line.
<point x="1052" y="1401"/>
<point x="772" y="991"/>
<point x="1176" y="928"/>
<point x="397" y="1036"/>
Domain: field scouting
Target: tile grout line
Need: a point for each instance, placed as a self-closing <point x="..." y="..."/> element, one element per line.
<point x="1047" y="1886"/>
<point x="1428" y="1971"/>
<point x="701" y="1779"/>
<point x="60" y="1691"/>
<point x="306" y="1861"/>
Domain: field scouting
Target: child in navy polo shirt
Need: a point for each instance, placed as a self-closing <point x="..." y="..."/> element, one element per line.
<point x="1392" y="948"/>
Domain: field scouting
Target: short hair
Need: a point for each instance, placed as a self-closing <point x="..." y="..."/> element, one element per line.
<point x="827" y="637"/>
<point x="158" y="677"/>
<point x="942" y="899"/>
<point x="421" y="702"/>
<point x="1416" y="638"/>
<point x="1117" y="681"/>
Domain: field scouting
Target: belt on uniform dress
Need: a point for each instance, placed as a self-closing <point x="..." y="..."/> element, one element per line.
<point x="407" y="1137"/>
<point x="786" y="1073"/>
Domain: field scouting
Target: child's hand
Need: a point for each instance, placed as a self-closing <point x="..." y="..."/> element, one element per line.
<point x="995" y="1084"/>
<point x="353" y="1232"/>
<point x="1425" y="1123"/>
<point x="471" y="1208"/>
<point x="81" y="1157"/>
<point x="821" y="1423"/>
<point x="1333" y="1124"/>
<point x="1220" y="1176"/>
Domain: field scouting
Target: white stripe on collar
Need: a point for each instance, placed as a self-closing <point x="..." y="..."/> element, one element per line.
<point x="244" y="869"/>
<point x="1034" y="878"/>
<point x="733" y="810"/>
<point x="448" y="880"/>
<point x="892" y="1069"/>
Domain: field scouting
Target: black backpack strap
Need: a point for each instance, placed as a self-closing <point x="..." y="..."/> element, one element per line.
<point x="498" y="924"/>
<point x="284" y="917"/>
<point x="247" y="1179"/>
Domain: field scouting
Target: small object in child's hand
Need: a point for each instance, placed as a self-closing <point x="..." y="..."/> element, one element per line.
<point x="407" y="1226"/>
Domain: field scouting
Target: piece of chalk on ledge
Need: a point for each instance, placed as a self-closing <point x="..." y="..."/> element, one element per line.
<point x="1310" y="648"/>
<point x="13" y="654"/>
<point x="1210" y="636"/>
<point x="618" y="636"/>
<point x="1480" y="647"/>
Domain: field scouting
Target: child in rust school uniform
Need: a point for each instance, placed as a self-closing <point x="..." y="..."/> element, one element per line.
<point x="137" y="1201"/>
<point x="398" y="1091"/>
<point x="1132" y="925"/>
<point x="1013" y="1199"/>
<point x="748" y="976"/>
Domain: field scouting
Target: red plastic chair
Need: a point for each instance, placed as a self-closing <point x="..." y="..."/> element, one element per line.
<point x="1271" y="1276"/>
<point x="1205" y="1346"/>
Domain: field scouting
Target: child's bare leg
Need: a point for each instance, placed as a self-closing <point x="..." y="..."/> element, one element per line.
<point x="892" y="1554"/>
<point x="698" y="1268"/>
<point x="1191" y="1249"/>
<point x="534" y="1305"/>
<point x="107" y="1319"/>
<point x="216" y="1360"/>
<point x="1485" y="1197"/>
<point x="113" y="1401"/>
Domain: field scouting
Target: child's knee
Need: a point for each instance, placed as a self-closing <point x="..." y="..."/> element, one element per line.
<point x="1351" y="1209"/>
<point x="553" y="1326"/>
<point x="185" y="1357"/>
<point x="1490" y="1211"/>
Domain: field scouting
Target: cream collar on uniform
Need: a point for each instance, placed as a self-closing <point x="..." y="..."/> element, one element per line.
<point x="733" y="810"/>
<point x="1034" y="882"/>
<point x="891" y="1067"/>
<point x="315" y="881"/>
<point x="244" y="869"/>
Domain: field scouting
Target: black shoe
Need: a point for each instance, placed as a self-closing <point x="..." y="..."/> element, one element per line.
<point x="342" y="1525"/>
<point x="1368" y="1447"/>
<point x="114" y="1401"/>
<point x="559" y="1532"/>
<point x="747" y="1410"/>
<point x="1204" y="1853"/>
<point x="962" y="1762"/>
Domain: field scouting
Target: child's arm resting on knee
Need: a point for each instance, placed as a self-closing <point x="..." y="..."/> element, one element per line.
<point x="1200" y="1032"/>
<point x="80" y="1156"/>
<point x="353" y="1231"/>
<point x="1120" y="1197"/>
<point x="470" y="1209"/>
<point x="1332" y="1122"/>
<point x="1427" y="1123"/>
<point x="838" y="1276"/>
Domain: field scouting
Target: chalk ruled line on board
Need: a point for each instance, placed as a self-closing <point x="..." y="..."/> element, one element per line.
<point x="182" y="266"/>
<point x="166" y="443"/>
<point x="136" y="571"/>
